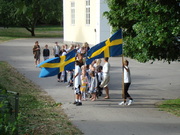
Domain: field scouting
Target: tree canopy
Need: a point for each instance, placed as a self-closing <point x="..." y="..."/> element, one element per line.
<point x="27" y="13"/>
<point x="150" y="28"/>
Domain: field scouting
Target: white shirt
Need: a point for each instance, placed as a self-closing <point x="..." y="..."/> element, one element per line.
<point x="64" y="53"/>
<point x="99" y="76"/>
<point x="57" y="49"/>
<point x="106" y="68"/>
<point x="77" y="80"/>
<point x="127" y="75"/>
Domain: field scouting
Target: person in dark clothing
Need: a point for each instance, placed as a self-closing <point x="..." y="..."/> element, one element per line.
<point x="46" y="52"/>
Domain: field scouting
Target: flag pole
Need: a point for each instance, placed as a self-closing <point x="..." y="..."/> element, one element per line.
<point x="123" y="93"/>
<point x="123" y="77"/>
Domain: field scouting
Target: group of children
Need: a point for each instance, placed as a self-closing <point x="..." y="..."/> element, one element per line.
<point x="87" y="80"/>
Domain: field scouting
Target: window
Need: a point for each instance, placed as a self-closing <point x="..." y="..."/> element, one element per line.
<point x="73" y="13"/>
<point x="87" y="11"/>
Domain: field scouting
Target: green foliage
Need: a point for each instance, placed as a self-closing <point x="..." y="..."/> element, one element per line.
<point x="8" y="126"/>
<point x="149" y="27"/>
<point x="27" y="13"/>
<point x="6" y="13"/>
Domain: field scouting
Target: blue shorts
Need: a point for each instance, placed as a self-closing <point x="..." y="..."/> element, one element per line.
<point x="92" y="91"/>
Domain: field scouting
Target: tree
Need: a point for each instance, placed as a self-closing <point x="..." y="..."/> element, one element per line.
<point x="6" y="13"/>
<point x="27" y="13"/>
<point x="149" y="27"/>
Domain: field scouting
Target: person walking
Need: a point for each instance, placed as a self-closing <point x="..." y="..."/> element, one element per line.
<point x="127" y="83"/>
<point x="106" y="77"/>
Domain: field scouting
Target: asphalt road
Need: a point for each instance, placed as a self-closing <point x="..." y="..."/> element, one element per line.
<point x="151" y="83"/>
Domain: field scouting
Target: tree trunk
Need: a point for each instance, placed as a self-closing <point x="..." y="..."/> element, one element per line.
<point x="32" y="33"/>
<point x="31" y="30"/>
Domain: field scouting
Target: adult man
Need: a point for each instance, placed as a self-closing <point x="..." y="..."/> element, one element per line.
<point x="106" y="77"/>
<point x="56" y="49"/>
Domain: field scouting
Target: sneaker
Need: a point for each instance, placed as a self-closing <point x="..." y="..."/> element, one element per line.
<point x="130" y="102"/>
<point x="78" y="104"/>
<point x="122" y="103"/>
<point x="68" y="86"/>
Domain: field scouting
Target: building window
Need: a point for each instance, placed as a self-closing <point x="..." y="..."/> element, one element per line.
<point x="87" y="11"/>
<point x="73" y="13"/>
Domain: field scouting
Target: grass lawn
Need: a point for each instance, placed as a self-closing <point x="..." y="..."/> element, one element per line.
<point x="172" y="106"/>
<point x="39" y="114"/>
<point x="41" y="32"/>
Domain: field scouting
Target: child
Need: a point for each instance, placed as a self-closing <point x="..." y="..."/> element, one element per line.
<point x="46" y="52"/>
<point x="84" y="82"/>
<point x="127" y="83"/>
<point x="70" y="80"/>
<point x="93" y="86"/>
<point x="63" y="74"/>
<point x="99" y="80"/>
<point x="77" y="82"/>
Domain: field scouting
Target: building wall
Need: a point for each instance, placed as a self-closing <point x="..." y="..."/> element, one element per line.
<point x="97" y="31"/>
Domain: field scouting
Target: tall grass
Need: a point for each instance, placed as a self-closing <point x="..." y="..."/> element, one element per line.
<point x="38" y="112"/>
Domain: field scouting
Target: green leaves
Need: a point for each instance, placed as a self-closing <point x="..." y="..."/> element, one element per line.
<point x="149" y="28"/>
<point x="27" y="13"/>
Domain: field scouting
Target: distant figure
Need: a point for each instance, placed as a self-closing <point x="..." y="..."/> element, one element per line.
<point x="127" y="83"/>
<point x="46" y="52"/>
<point x="56" y="50"/>
<point x="37" y="53"/>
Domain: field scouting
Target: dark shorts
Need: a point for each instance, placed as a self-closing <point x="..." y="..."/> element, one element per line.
<point x="77" y="90"/>
<point x="37" y="56"/>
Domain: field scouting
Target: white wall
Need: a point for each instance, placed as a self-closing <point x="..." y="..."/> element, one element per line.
<point x="80" y="32"/>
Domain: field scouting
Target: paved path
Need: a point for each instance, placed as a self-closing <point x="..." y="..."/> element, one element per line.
<point x="150" y="83"/>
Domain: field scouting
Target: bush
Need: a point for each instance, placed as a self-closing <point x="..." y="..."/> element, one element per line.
<point x="8" y="124"/>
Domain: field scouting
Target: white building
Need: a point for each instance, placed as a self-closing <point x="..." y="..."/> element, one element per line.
<point x="84" y="21"/>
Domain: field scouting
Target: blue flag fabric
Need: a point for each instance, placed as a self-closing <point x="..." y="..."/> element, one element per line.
<point x="53" y="66"/>
<point x="110" y="47"/>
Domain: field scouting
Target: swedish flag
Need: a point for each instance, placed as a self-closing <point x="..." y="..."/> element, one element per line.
<point x="53" y="66"/>
<point x="110" y="47"/>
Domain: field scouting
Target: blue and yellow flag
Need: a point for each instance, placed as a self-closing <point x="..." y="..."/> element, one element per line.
<point x="53" y="66"/>
<point x="110" y="47"/>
